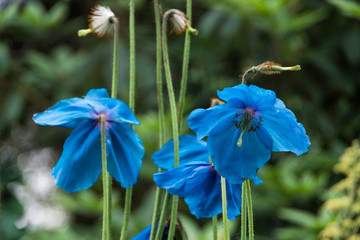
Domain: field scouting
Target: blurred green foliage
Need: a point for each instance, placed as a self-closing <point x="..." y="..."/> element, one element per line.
<point x="42" y="61"/>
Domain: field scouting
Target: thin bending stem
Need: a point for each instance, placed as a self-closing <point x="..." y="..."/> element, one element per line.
<point x="224" y="208"/>
<point x="243" y="211"/>
<point x="115" y="58"/>
<point x="161" y="114"/>
<point x="250" y="210"/>
<point x="127" y="209"/>
<point x="185" y="66"/>
<point x="175" y="126"/>
<point x="106" y="199"/>
<point x="128" y="194"/>
<point x="163" y="216"/>
<point x="214" y="224"/>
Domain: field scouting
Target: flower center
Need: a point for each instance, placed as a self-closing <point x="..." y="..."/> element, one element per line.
<point x="247" y="120"/>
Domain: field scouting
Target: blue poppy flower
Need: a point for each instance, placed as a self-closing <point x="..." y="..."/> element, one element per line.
<point x="145" y="233"/>
<point x="244" y="131"/>
<point x="195" y="179"/>
<point x="80" y="163"/>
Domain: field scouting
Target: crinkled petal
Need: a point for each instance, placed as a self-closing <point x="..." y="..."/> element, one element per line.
<point x="239" y="163"/>
<point x="97" y="93"/>
<point x="114" y="109"/>
<point x="175" y="179"/>
<point x="203" y="193"/>
<point x="65" y="113"/>
<point x="190" y="150"/>
<point x="287" y="134"/>
<point x="251" y="96"/>
<point x="80" y="163"/>
<point x="125" y="152"/>
<point x="211" y="121"/>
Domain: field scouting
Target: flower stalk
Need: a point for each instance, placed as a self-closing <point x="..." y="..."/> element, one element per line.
<point x="161" y="114"/>
<point x="115" y="57"/>
<point x="214" y="224"/>
<point x="175" y="126"/>
<point x="185" y="66"/>
<point x="163" y="216"/>
<point x="128" y="194"/>
<point x="249" y="208"/>
<point x="106" y="183"/>
<point x="224" y="208"/>
<point x="243" y="212"/>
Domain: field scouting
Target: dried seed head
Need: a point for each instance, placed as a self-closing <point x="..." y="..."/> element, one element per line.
<point x="179" y="21"/>
<point x="101" y="20"/>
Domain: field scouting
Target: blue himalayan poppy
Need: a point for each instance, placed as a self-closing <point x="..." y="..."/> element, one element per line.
<point x="145" y="233"/>
<point x="195" y="179"/>
<point x="80" y="163"/>
<point x="242" y="133"/>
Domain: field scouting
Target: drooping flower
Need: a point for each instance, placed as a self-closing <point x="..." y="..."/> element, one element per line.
<point x="195" y="179"/>
<point x="101" y="22"/>
<point x="243" y="132"/>
<point x="80" y="163"/>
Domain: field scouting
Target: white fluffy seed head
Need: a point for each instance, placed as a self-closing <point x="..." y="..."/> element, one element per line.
<point x="101" y="21"/>
<point x="178" y="21"/>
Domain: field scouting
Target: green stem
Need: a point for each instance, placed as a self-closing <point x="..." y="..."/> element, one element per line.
<point x="214" y="223"/>
<point x="132" y="55"/>
<point x="250" y="211"/>
<point x="175" y="126"/>
<point x="115" y="58"/>
<point x="163" y="216"/>
<point x="224" y="208"/>
<point x="106" y="199"/>
<point x="128" y="193"/>
<point x="127" y="209"/>
<point x="243" y="211"/>
<point x="161" y="114"/>
<point x="185" y="66"/>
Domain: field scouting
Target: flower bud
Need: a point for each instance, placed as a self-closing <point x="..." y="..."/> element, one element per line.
<point x="101" y="22"/>
<point x="179" y="22"/>
<point x="215" y="101"/>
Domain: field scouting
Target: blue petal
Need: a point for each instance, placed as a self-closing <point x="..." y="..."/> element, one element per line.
<point x="287" y="134"/>
<point x="144" y="234"/>
<point x="114" y="109"/>
<point x="80" y="163"/>
<point x="175" y="179"/>
<point x="257" y="181"/>
<point x="211" y="121"/>
<point x="97" y="93"/>
<point x="203" y="193"/>
<point x="243" y="96"/>
<point x="190" y="150"/>
<point x="125" y="152"/>
<point x="65" y="113"/>
<point x="239" y="163"/>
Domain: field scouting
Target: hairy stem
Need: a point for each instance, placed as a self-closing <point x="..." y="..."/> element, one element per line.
<point x="250" y="210"/>
<point x="185" y="66"/>
<point x="161" y="114"/>
<point x="224" y="208"/>
<point x="175" y="126"/>
<point x="105" y="177"/>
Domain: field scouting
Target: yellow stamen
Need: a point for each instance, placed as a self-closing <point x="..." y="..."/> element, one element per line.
<point x="239" y="142"/>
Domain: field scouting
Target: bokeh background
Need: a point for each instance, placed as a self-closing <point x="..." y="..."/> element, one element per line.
<point x="43" y="61"/>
